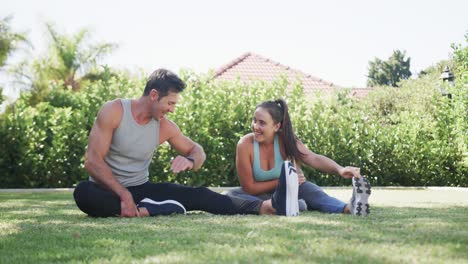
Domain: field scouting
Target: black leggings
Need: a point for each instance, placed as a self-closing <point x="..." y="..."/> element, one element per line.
<point x="96" y="201"/>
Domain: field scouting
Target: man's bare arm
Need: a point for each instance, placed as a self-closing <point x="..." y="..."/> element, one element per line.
<point x="99" y="142"/>
<point x="184" y="146"/>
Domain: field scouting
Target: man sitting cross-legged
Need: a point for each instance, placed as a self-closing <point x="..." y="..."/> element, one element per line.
<point x="120" y="148"/>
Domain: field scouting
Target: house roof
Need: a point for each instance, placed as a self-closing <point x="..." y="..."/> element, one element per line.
<point x="360" y="92"/>
<point x="250" y="66"/>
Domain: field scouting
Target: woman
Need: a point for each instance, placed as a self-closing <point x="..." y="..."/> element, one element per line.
<point x="261" y="154"/>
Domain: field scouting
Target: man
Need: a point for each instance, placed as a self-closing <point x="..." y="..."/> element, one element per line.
<point x="120" y="147"/>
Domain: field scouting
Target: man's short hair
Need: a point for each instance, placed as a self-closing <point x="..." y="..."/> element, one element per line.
<point x="164" y="81"/>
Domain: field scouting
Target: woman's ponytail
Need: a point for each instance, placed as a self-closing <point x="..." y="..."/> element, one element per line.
<point x="279" y="112"/>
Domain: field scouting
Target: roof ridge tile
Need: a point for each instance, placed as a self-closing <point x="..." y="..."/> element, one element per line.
<point x="231" y="64"/>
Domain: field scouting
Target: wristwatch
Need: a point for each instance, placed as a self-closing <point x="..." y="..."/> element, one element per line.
<point x="191" y="159"/>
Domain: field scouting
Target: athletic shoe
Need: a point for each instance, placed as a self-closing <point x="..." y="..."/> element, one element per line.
<point x="302" y="205"/>
<point x="358" y="205"/>
<point x="166" y="207"/>
<point x="284" y="199"/>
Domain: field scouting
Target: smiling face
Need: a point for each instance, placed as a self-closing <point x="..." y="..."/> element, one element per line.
<point x="263" y="125"/>
<point x="161" y="106"/>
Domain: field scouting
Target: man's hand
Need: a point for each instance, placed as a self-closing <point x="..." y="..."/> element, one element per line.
<point x="127" y="206"/>
<point x="350" y="172"/>
<point x="181" y="163"/>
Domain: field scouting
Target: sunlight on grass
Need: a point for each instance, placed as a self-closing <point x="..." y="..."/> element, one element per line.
<point x="8" y="229"/>
<point x="55" y="222"/>
<point x="169" y="258"/>
<point x="52" y="229"/>
<point x="406" y="198"/>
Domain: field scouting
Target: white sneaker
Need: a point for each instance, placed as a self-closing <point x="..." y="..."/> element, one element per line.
<point x="284" y="199"/>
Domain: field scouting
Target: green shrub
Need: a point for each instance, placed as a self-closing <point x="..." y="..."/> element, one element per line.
<point x="44" y="145"/>
<point x="408" y="136"/>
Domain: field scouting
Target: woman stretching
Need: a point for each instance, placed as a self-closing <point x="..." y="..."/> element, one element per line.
<point x="260" y="156"/>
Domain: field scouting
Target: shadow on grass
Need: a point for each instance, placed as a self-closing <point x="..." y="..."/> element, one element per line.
<point x="44" y="228"/>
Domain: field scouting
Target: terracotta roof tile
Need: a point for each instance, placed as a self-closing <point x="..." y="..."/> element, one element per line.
<point x="250" y="66"/>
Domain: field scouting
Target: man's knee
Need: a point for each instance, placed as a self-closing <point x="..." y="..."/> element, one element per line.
<point x="82" y="196"/>
<point x="96" y="201"/>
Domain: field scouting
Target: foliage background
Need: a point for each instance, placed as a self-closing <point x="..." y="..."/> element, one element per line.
<point x="406" y="136"/>
<point x="410" y="136"/>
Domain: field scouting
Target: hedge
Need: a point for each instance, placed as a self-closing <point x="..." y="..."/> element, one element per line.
<point x="407" y="136"/>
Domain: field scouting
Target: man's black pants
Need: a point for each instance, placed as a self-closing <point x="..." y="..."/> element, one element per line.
<point x="97" y="201"/>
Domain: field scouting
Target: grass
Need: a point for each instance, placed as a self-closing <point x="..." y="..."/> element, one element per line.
<point x="406" y="226"/>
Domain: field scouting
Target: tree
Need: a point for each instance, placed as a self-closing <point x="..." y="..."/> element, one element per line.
<point x="9" y="42"/>
<point x="389" y="72"/>
<point x="437" y="68"/>
<point x="460" y="58"/>
<point x="70" y="60"/>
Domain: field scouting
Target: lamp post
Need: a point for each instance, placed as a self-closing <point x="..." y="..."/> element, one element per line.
<point x="447" y="77"/>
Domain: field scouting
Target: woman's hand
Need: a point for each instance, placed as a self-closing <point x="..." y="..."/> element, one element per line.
<point x="350" y="172"/>
<point x="300" y="176"/>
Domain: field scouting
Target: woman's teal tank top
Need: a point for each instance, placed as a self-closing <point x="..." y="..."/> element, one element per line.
<point x="274" y="173"/>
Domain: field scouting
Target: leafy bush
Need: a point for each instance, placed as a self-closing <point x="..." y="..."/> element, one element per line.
<point x="44" y="145"/>
<point x="408" y="136"/>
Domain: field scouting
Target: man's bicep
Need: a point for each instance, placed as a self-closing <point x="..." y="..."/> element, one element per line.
<point x="100" y="136"/>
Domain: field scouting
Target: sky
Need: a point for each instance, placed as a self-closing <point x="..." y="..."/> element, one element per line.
<point x="333" y="40"/>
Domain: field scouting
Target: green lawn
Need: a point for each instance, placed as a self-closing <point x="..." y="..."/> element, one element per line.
<point x="406" y="226"/>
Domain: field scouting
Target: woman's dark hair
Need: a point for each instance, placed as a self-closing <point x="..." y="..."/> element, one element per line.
<point x="164" y="81"/>
<point x="279" y="112"/>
